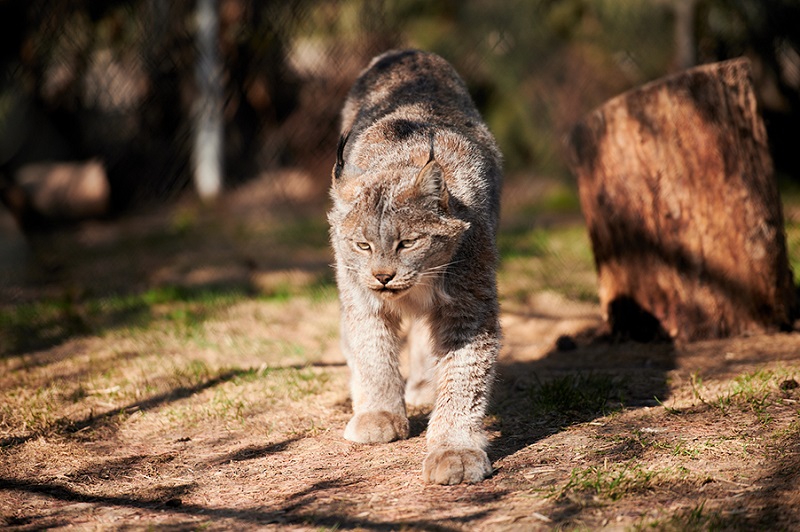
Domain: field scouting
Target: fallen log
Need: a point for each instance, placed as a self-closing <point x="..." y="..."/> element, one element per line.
<point x="42" y="195"/>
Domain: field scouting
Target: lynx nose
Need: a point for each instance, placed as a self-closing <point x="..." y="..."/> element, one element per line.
<point x="384" y="278"/>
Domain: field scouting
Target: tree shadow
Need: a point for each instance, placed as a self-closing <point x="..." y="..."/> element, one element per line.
<point x="298" y="508"/>
<point x="595" y="374"/>
<point x="34" y="328"/>
<point x="109" y="418"/>
<point x="583" y="377"/>
<point x="254" y="452"/>
<point x="132" y="273"/>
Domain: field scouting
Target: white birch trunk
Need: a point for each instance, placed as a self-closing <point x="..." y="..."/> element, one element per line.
<point x="208" y="125"/>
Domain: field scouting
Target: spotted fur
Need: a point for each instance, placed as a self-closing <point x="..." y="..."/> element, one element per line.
<point x="415" y="205"/>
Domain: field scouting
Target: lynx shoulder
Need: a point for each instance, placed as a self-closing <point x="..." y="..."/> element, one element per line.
<point x="415" y="204"/>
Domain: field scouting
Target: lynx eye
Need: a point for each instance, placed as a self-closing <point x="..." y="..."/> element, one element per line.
<point x="408" y="243"/>
<point x="363" y="246"/>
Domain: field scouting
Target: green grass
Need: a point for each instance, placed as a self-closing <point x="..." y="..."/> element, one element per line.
<point x="304" y="232"/>
<point x="609" y="482"/>
<point x="685" y="449"/>
<point x="557" y="259"/>
<point x="793" y="246"/>
<point x="694" y="518"/>
<point x="523" y="243"/>
<point x="637" y="440"/>
<point x="238" y="399"/>
<point x="575" y="396"/>
<point x="48" y="322"/>
<point x="755" y="392"/>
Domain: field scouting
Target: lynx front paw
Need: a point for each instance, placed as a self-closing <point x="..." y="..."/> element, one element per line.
<point x="447" y="465"/>
<point x="376" y="427"/>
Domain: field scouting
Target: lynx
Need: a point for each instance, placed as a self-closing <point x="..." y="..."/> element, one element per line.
<point x="415" y="202"/>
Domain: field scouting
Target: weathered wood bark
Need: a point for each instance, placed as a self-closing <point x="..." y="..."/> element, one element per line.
<point x="677" y="188"/>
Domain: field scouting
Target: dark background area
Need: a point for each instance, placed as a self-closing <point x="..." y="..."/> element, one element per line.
<point x="114" y="80"/>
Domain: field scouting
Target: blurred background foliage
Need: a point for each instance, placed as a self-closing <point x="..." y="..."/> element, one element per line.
<point x="114" y="80"/>
<point x="102" y="93"/>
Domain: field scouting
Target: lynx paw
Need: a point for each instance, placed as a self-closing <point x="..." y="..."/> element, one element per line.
<point x="447" y="465"/>
<point x="376" y="427"/>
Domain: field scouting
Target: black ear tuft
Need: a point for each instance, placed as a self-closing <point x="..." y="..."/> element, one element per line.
<point x="337" y="169"/>
<point x="430" y="184"/>
<point x="430" y="181"/>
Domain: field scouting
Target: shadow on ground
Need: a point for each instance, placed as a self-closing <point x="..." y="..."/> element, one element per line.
<point x="585" y="376"/>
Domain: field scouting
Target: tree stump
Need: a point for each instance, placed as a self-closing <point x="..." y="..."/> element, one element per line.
<point x="685" y="219"/>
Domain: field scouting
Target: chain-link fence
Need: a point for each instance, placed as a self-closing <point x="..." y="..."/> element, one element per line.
<point x="115" y="81"/>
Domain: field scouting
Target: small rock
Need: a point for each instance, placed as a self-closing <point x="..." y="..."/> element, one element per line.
<point x="566" y="343"/>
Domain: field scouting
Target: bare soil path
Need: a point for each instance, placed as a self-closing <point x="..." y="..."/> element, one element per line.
<point x="182" y="371"/>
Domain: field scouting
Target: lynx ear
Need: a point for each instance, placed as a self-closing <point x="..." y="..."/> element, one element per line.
<point x="339" y="166"/>
<point x="430" y="184"/>
<point x="430" y="181"/>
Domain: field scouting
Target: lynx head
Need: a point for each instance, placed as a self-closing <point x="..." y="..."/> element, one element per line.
<point x="393" y="231"/>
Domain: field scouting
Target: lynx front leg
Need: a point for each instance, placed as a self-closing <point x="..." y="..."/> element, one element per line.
<point x="456" y="439"/>
<point x="421" y="384"/>
<point x="371" y="345"/>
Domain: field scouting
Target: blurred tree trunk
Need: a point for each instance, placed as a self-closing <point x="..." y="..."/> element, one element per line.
<point x="677" y="188"/>
<point x="684" y="33"/>
<point x="208" y="125"/>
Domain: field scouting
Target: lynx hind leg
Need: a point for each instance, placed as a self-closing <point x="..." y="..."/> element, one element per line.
<point x="421" y="383"/>
<point x="376" y="427"/>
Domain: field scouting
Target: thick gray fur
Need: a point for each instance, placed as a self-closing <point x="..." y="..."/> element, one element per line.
<point x="416" y="194"/>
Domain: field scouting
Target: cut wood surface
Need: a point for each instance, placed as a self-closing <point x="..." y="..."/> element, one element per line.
<point x="683" y="211"/>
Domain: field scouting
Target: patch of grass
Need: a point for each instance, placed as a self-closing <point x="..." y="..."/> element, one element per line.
<point x="31" y="410"/>
<point x="793" y="244"/>
<point x="752" y="390"/>
<point x="205" y="295"/>
<point x="668" y="409"/>
<point x="297" y="383"/>
<point x="523" y="242"/>
<point x="641" y="439"/>
<point x="323" y="289"/>
<point x="195" y="373"/>
<point x="574" y="396"/>
<point x="41" y="324"/>
<point x="304" y="232"/>
<point x="278" y="292"/>
<point x="235" y="399"/>
<point x="223" y="406"/>
<point x="536" y="259"/>
<point x="558" y="198"/>
<point x="755" y="391"/>
<point x="318" y="288"/>
<point x="608" y="482"/>
<point x="681" y="448"/>
<point x="49" y="322"/>
<point x="688" y="520"/>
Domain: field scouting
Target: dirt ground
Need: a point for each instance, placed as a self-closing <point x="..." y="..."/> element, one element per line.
<point x="203" y="410"/>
